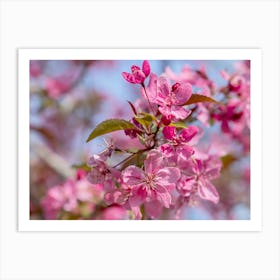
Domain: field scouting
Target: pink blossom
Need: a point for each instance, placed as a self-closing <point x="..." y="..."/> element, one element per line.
<point x="185" y="135"/>
<point x="154" y="183"/>
<point x="151" y="88"/>
<point x="172" y="99"/>
<point x="99" y="169"/>
<point x="114" y="213"/>
<point x="101" y="173"/>
<point x="56" y="87"/>
<point x="178" y="149"/>
<point x="196" y="179"/>
<point x="137" y="75"/>
<point x="231" y="116"/>
<point x="67" y="197"/>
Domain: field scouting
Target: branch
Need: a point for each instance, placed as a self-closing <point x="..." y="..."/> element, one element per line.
<point x="56" y="162"/>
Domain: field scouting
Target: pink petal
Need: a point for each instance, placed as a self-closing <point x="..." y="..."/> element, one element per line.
<point x="207" y="191"/>
<point x="167" y="176"/>
<point x="225" y="126"/>
<point x="213" y="169"/>
<point x="167" y="149"/>
<point x="187" y="134"/>
<point x="153" y="162"/>
<point x="166" y="111"/>
<point x="185" y="185"/>
<point x="151" y="89"/>
<point x="225" y="75"/>
<point x="169" y="154"/>
<point x="146" y="68"/>
<point x="133" y="175"/>
<point x="179" y="112"/>
<point x="114" y="213"/>
<point x="163" y="88"/>
<point x="169" y="132"/>
<point x="184" y="152"/>
<point x="199" y="166"/>
<point x="139" y="77"/>
<point x="134" y="68"/>
<point x="138" y="196"/>
<point x="95" y="177"/>
<point x="116" y="196"/>
<point x="163" y="196"/>
<point x="128" y="77"/>
<point x="182" y="93"/>
<point x="153" y="209"/>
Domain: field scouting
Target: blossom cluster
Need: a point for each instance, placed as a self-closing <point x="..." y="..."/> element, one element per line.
<point x="170" y="167"/>
<point x="169" y="172"/>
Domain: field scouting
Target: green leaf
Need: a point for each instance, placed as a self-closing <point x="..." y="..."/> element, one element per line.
<point x="82" y="166"/>
<point x="145" y="119"/>
<point x="227" y="160"/>
<point x="178" y="124"/>
<point x="196" y="98"/>
<point x="110" y="126"/>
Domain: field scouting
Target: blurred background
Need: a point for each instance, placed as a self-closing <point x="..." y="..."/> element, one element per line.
<point x="69" y="98"/>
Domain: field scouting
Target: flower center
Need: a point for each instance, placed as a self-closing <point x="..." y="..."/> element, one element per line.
<point x="150" y="181"/>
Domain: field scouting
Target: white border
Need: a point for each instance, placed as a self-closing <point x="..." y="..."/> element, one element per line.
<point x="25" y="55"/>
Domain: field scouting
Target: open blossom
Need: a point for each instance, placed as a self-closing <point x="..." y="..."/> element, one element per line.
<point x="99" y="169"/>
<point x="138" y="75"/>
<point x="197" y="179"/>
<point x="155" y="182"/>
<point x="101" y="173"/>
<point x="185" y="135"/>
<point x="177" y="148"/>
<point x="231" y="116"/>
<point x="172" y="99"/>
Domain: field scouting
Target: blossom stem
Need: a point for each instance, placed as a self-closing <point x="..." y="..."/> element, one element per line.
<point x="125" y="160"/>
<point x="131" y="156"/>
<point x="148" y="99"/>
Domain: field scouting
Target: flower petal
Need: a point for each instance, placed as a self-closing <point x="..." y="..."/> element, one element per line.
<point x="184" y="152"/>
<point x="153" y="209"/>
<point x="128" y="77"/>
<point x="167" y="176"/>
<point x="207" y="191"/>
<point x="179" y="112"/>
<point x="138" y="196"/>
<point x="185" y="185"/>
<point x="166" y="111"/>
<point x="139" y="77"/>
<point x="182" y="94"/>
<point x="188" y="133"/>
<point x="163" y="196"/>
<point x="163" y="89"/>
<point x="146" y="68"/>
<point x="133" y="175"/>
<point x="169" y="132"/>
<point x="153" y="162"/>
<point x="213" y="168"/>
<point x="151" y="89"/>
